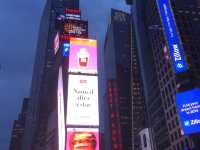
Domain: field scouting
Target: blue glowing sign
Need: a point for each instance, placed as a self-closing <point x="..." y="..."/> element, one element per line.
<point x="188" y="104"/>
<point x="174" y="42"/>
<point x="66" y="49"/>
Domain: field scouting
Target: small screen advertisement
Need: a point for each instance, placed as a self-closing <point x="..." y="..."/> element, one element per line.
<point x="82" y="102"/>
<point x="83" y="56"/>
<point x="56" y="43"/>
<point x="188" y="104"/>
<point x="75" y="28"/>
<point x="82" y="139"/>
<point x="172" y="37"/>
<point x="74" y="14"/>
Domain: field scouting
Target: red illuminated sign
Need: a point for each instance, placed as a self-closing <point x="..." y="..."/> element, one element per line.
<point x="74" y="11"/>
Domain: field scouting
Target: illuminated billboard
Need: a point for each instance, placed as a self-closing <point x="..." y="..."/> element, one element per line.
<point x="75" y="28"/>
<point x="82" y="139"/>
<point x="66" y="49"/>
<point x="56" y="43"/>
<point x="188" y="104"/>
<point x="172" y="37"/>
<point x="83" y="56"/>
<point x="82" y="102"/>
<point x="73" y="14"/>
<point x="61" y="117"/>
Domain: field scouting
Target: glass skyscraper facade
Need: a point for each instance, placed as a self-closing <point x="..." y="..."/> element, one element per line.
<point x="161" y="81"/>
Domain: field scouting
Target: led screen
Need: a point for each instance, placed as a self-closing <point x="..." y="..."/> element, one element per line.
<point x="66" y="48"/>
<point x="83" y="56"/>
<point x="75" y="28"/>
<point x="56" y="43"/>
<point x="82" y="102"/>
<point x="188" y="104"/>
<point x="174" y="42"/>
<point x="73" y="14"/>
<point x="61" y="117"/>
<point x="82" y="139"/>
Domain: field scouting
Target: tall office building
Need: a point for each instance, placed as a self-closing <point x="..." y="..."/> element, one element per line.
<point x="124" y="100"/>
<point x="168" y="31"/>
<point x="18" y="127"/>
<point x="43" y="91"/>
<point x="137" y="94"/>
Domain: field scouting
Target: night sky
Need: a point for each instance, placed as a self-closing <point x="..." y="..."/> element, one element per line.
<point x="19" y="25"/>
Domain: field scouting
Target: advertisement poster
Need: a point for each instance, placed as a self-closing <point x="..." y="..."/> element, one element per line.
<point x="56" y="43"/>
<point x="82" y="139"/>
<point x="83" y="56"/>
<point x="82" y="102"/>
<point x="172" y="37"/>
<point x="74" y="28"/>
<point x="188" y="104"/>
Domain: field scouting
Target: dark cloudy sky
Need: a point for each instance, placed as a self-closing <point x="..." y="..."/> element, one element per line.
<point x="19" y="23"/>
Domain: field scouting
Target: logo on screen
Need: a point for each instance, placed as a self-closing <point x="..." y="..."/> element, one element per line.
<point x="187" y="123"/>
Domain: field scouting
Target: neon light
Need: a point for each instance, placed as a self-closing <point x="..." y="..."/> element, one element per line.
<point x="174" y="42"/>
<point x="61" y="118"/>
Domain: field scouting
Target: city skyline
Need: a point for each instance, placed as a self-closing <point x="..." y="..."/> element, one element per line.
<point x="18" y="70"/>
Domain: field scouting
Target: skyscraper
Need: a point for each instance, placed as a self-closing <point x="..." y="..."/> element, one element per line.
<point x="172" y="68"/>
<point x="43" y="91"/>
<point x="18" y="127"/>
<point x="117" y="73"/>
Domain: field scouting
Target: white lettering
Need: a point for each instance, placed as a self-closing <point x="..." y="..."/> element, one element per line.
<point x="177" y="55"/>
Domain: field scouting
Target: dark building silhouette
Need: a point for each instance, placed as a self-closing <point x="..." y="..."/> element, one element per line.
<point x="18" y="127"/>
<point x="124" y="112"/>
<point x="160" y="78"/>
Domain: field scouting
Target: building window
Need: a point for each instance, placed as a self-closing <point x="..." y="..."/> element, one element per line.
<point x="144" y="140"/>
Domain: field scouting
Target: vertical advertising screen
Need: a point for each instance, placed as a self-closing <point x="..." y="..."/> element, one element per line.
<point x="61" y="117"/>
<point x="82" y="102"/>
<point x="188" y="104"/>
<point x="83" y="56"/>
<point x="56" y="43"/>
<point x="82" y="139"/>
<point x="172" y="37"/>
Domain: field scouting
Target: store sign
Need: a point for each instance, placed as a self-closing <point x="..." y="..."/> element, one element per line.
<point x="82" y="139"/>
<point x="83" y="56"/>
<point x="56" y="43"/>
<point x="188" y="104"/>
<point x="82" y="102"/>
<point x="74" y="28"/>
<point x="172" y="37"/>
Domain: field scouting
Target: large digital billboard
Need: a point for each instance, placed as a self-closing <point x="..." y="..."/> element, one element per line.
<point x="82" y="102"/>
<point x="75" y="28"/>
<point x="82" y="139"/>
<point x="83" y="56"/>
<point x="73" y="14"/>
<point x="61" y="114"/>
<point x="172" y="37"/>
<point x="188" y="104"/>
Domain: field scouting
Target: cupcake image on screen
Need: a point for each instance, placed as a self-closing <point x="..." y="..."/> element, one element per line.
<point x="83" y="141"/>
<point x="83" y="58"/>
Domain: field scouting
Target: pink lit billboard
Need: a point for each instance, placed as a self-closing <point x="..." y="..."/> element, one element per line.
<point x="82" y="139"/>
<point x="83" y="56"/>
